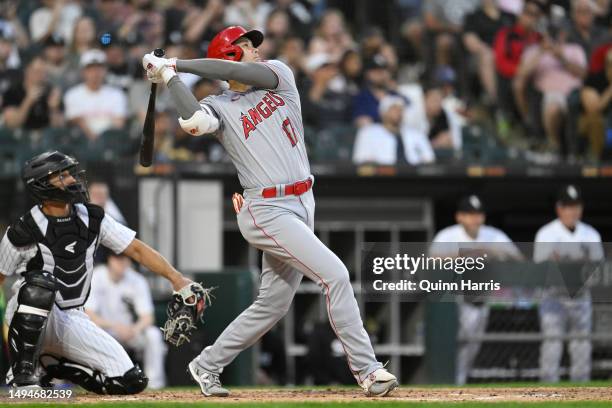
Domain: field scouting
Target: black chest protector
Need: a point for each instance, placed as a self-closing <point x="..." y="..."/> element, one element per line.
<point x="66" y="249"/>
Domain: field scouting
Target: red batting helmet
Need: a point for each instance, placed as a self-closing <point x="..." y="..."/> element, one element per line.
<point x="222" y="46"/>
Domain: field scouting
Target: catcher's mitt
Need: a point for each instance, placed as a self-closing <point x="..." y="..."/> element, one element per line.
<point x="184" y="311"/>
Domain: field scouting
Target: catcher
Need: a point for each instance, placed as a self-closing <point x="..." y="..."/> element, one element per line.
<point x="52" y="246"/>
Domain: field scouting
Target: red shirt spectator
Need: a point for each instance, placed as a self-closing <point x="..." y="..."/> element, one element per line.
<point x="511" y="41"/>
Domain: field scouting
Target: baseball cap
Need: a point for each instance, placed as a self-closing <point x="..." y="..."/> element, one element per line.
<point x="569" y="195"/>
<point x="388" y="101"/>
<point x="471" y="204"/>
<point x="316" y="61"/>
<point x="376" y="62"/>
<point x="54" y="40"/>
<point x="93" y="57"/>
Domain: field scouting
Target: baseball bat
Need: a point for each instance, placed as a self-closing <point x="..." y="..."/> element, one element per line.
<point x="148" y="129"/>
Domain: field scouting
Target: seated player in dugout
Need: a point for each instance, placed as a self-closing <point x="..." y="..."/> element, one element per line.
<point x="52" y="247"/>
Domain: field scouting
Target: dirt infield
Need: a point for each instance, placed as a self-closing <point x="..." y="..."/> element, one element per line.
<point x="405" y="394"/>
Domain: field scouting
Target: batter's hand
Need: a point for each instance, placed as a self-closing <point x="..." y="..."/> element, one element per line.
<point x="159" y="69"/>
<point x="238" y="201"/>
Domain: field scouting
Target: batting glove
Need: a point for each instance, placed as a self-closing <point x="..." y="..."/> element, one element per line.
<point x="157" y="67"/>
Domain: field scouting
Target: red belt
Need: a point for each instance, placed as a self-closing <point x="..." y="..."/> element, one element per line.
<point x="297" y="189"/>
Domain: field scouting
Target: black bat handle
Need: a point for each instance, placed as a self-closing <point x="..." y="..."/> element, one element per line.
<point x="146" y="148"/>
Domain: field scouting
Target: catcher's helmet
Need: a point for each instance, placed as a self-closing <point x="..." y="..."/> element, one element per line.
<point x="36" y="173"/>
<point x="222" y="45"/>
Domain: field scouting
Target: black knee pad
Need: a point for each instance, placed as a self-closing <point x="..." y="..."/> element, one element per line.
<point x="34" y="302"/>
<point x="133" y="381"/>
<point x="38" y="290"/>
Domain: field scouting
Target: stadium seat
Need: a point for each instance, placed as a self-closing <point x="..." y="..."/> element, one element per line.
<point x="332" y="144"/>
<point x="115" y="143"/>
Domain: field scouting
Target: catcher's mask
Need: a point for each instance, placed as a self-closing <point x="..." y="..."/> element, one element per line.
<point x="38" y="171"/>
<point x="222" y="45"/>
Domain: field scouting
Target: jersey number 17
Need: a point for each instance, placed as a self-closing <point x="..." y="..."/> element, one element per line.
<point x="290" y="132"/>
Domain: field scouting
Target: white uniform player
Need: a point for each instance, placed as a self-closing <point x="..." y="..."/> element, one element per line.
<point x="258" y="121"/>
<point x="52" y="247"/>
<point x="120" y="302"/>
<point x="495" y="243"/>
<point x="566" y="238"/>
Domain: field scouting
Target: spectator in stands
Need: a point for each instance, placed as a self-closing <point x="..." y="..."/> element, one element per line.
<point x="411" y="51"/>
<point x="247" y="13"/>
<point x="374" y="43"/>
<point x="377" y="83"/>
<point x="351" y="68"/>
<point x="143" y="24"/>
<point x="603" y="14"/>
<point x="173" y="20"/>
<point x="32" y="103"/>
<point x="55" y="17"/>
<point x="55" y="56"/>
<point x="583" y="29"/>
<point x="9" y="73"/>
<point x="471" y="229"/>
<point x="300" y="18"/>
<point x="277" y="29"/>
<point x="556" y="69"/>
<point x="442" y="19"/>
<point x="83" y="39"/>
<point x="121" y="71"/>
<point x="99" y="194"/>
<point x="508" y="46"/>
<point x="120" y="303"/>
<point x="202" y="23"/>
<point x="331" y="36"/>
<point x="439" y="130"/>
<point x="108" y="15"/>
<point x="10" y="23"/>
<point x="292" y="53"/>
<point x="596" y="97"/>
<point x="93" y="106"/>
<point x="390" y="142"/>
<point x="443" y="26"/>
<point x="566" y="238"/>
<point x="327" y="103"/>
<point x="480" y="29"/>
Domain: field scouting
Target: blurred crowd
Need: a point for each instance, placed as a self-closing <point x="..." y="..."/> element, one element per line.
<point x="482" y="80"/>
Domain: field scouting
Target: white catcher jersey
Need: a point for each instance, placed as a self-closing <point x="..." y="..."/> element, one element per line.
<point x="16" y="260"/>
<point x="262" y="131"/>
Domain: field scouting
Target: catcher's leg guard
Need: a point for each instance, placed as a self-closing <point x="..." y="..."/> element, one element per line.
<point x="132" y="381"/>
<point x="35" y="300"/>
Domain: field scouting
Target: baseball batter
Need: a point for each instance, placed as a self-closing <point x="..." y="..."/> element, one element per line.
<point x="52" y="247"/>
<point x="258" y="120"/>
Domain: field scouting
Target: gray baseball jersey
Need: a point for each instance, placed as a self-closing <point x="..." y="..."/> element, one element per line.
<point x="262" y="131"/>
<point x="263" y="134"/>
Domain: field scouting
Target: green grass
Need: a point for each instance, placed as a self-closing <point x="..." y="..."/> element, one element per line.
<point x="374" y="403"/>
